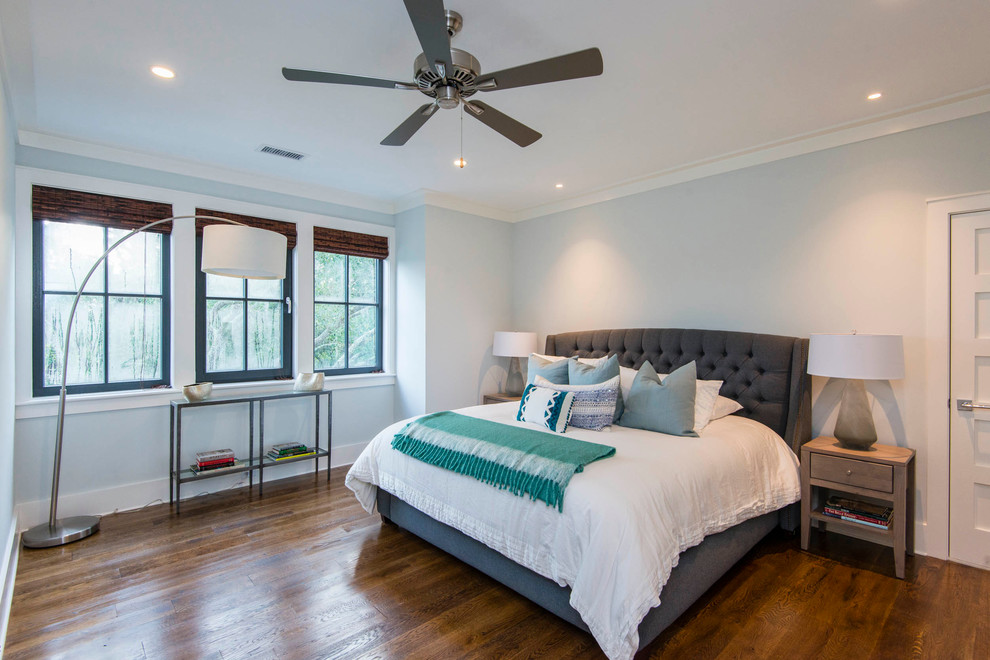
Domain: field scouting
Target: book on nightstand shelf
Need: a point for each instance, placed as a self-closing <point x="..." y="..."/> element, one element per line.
<point x="199" y="470"/>
<point x="864" y="513"/>
<point x="286" y="450"/>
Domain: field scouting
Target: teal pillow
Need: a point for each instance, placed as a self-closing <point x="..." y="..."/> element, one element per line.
<point x="588" y="374"/>
<point x="666" y="407"/>
<point x="555" y="372"/>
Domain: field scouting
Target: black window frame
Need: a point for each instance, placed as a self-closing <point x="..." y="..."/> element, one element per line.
<point x="38" y="320"/>
<point x="379" y="303"/>
<point x="245" y="375"/>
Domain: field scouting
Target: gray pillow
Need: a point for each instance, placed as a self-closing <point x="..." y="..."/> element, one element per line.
<point x="587" y="374"/>
<point x="555" y="372"/>
<point x="666" y="407"/>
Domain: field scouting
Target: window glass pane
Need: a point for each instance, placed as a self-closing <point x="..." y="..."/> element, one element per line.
<point x="328" y="340"/>
<point x="221" y="286"/>
<point x="271" y="289"/>
<point x="69" y="252"/>
<point x="86" y="352"/>
<point x="135" y="266"/>
<point x="363" y="336"/>
<point x="364" y="280"/>
<point x="224" y="335"/>
<point x="328" y="276"/>
<point x="264" y="335"/>
<point x="134" y="338"/>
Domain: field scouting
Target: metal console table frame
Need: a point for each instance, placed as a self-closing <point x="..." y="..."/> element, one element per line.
<point x="178" y="476"/>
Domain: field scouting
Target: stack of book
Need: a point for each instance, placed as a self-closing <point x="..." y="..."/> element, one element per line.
<point x="864" y="513"/>
<point x="215" y="459"/>
<point x="289" y="450"/>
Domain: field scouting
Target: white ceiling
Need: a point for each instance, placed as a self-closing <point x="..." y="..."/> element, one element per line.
<point x="685" y="81"/>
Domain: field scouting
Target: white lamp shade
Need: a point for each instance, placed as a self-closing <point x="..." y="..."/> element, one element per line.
<point x="863" y="357"/>
<point x="514" y="344"/>
<point x="239" y="251"/>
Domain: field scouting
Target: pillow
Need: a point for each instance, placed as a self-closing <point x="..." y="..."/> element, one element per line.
<point x="594" y="405"/>
<point x="554" y="370"/>
<point x="724" y="407"/>
<point x="546" y="407"/>
<point x="704" y="401"/>
<point x="587" y="374"/>
<point x="665" y="407"/>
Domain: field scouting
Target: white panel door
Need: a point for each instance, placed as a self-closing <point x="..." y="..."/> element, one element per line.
<point x="969" y="431"/>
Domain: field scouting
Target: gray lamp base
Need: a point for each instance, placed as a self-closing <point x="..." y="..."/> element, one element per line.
<point x="66" y="530"/>
<point x="854" y="428"/>
<point x="514" y="381"/>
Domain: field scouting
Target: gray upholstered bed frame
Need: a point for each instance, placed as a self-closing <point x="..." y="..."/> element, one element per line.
<point x="767" y="374"/>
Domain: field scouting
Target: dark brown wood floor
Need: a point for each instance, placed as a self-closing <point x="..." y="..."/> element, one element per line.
<point x="305" y="573"/>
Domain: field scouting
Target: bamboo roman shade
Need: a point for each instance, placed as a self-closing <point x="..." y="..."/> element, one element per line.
<point x="59" y="205"/>
<point x="287" y="229"/>
<point x="351" y="243"/>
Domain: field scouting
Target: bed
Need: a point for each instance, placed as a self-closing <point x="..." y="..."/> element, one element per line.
<point x="523" y="545"/>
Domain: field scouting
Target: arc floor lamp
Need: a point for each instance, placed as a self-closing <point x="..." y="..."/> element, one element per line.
<point x="233" y="250"/>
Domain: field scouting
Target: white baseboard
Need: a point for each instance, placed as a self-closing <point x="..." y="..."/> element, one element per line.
<point x="128" y="497"/>
<point x="9" y="571"/>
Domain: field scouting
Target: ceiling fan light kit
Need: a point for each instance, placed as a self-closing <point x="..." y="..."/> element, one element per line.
<point x="450" y="76"/>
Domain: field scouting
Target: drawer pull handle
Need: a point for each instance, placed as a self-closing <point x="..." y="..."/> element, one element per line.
<point x="849" y="473"/>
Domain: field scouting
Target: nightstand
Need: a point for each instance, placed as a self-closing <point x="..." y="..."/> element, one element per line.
<point x="882" y="474"/>
<point x="499" y="398"/>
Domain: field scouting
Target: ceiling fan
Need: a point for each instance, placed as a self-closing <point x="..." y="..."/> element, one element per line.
<point x="451" y="76"/>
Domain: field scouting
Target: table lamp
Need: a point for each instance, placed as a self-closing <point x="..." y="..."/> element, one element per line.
<point x="514" y="345"/>
<point x="856" y="358"/>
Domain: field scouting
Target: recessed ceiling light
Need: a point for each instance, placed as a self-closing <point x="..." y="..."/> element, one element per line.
<point x="874" y="96"/>
<point x="460" y="162"/>
<point x="163" y="72"/>
<point x="559" y="185"/>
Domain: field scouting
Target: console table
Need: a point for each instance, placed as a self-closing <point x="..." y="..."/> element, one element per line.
<point x="179" y="476"/>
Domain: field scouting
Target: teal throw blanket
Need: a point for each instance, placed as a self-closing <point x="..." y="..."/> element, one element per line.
<point x="521" y="460"/>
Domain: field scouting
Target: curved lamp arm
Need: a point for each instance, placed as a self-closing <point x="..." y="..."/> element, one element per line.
<point x="68" y="334"/>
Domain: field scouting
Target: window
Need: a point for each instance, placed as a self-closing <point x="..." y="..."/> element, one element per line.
<point x="243" y="327"/>
<point x="118" y="339"/>
<point x="347" y="312"/>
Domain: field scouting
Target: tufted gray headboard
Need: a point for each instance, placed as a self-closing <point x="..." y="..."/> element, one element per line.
<point x="767" y="374"/>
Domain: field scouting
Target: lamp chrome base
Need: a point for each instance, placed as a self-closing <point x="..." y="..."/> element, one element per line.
<point x="66" y="530"/>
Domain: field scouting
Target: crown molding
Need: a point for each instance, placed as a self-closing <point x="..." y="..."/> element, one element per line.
<point x="948" y="108"/>
<point x="424" y="197"/>
<point x="202" y="171"/>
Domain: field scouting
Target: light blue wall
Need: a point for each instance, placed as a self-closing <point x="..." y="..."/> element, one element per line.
<point x="410" y="295"/>
<point x="7" y="139"/>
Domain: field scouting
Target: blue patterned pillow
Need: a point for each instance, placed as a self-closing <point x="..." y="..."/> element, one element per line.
<point x="546" y="407"/>
<point x="594" y="405"/>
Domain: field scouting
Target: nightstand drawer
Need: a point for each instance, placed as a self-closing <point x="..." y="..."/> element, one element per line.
<point x="853" y="472"/>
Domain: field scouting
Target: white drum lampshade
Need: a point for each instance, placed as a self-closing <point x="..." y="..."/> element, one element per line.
<point x="240" y="251"/>
<point x="514" y="345"/>
<point x="856" y="358"/>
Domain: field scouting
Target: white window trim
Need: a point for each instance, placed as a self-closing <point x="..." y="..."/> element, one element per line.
<point x="183" y="291"/>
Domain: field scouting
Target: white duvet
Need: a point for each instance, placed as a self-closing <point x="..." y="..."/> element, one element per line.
<point x="625" y="519"/>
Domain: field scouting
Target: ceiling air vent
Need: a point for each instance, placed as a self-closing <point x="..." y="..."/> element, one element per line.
<point x="284" y="153"/>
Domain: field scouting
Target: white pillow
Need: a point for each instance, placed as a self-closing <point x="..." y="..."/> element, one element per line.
<point x="724" y="407"/>
<point x="556" y="358"/>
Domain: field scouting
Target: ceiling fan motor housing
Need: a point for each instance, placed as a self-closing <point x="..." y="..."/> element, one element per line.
<point x="465" y="70"/>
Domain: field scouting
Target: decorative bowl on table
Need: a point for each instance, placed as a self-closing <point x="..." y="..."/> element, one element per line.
<point x="308" y="382"/>
<point x="197" y="391"/>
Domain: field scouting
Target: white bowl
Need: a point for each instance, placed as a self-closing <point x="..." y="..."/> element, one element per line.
<point x="308" y="382"/>
<point x="197" y="391"/>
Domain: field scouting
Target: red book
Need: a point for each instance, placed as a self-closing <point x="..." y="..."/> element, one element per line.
<point x="218" y="461"/>
<point x="840" y="513"/>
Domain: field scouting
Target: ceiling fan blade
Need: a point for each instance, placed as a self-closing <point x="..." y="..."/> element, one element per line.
<point x="413" y="123"/>
<point x="302" y="75"/>
<point x="519" y="133"/>
<point x="581" y="64"/>
<point x="430" y="23"/>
